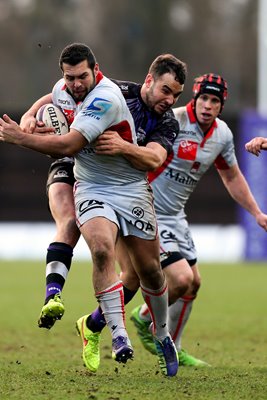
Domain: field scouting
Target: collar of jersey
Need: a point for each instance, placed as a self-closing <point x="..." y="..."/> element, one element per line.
<point x="193" y="120"/>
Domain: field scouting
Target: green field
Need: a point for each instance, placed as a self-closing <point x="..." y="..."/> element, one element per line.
<point x="228" y="329"/>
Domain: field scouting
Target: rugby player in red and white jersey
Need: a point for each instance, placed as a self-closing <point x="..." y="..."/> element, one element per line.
<point x="104" y="201"/>
<point x="204" y="140"/>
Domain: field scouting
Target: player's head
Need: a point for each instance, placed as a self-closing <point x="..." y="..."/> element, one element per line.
<point x="209" y="95"/>
<point x="79" y="68"/>
<point x="164" y="83"/>
<point x="168" y="64"/>
<point x="211" y="84"/>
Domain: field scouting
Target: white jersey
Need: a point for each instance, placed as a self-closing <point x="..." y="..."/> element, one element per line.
<point x="104" y="108"/>
<point x="193" y="153"/>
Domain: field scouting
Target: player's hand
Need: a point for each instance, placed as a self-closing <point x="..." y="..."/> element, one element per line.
<point x="256" y="145"/>
<point x="262" y="220"/>
<point x="10" y="131"/>
<point x="110" y="143"/>
<point x="29" y="124"/>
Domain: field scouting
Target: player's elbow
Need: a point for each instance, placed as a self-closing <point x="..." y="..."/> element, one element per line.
<point x="155" y="163"/>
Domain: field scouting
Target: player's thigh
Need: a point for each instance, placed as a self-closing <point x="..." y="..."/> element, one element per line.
<point x="144" y="254"/>
<point x="100" y="235"/>
<point x="61" y="201"/>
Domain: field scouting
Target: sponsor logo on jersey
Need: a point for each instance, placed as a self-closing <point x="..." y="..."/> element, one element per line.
<point x="89" y="205"/>
<point x="60" y="101"/>
<point x="195" y="167"/>
<point x="180" y="177"/>
<point x="97" y="108"/>
<point x="139" y="223"/>
<point x="189" y="133"/>
<point x="138" y="212"/>
<point x="61" y="174"/>
<point x="187" y="150"/>
<point x="69" y="114"/>
<point x="168" y="236"/>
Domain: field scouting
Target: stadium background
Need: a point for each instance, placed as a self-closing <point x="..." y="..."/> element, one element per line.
<point x="209" y="35"/>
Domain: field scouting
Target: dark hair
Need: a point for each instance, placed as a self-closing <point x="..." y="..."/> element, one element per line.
<point x="167" y="63"/>
<point x="75" y="53"/>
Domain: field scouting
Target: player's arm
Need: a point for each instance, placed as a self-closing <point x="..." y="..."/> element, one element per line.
<point x="53" y="145"/>
<point x="28" y="120"/>
<point x="145" y="158"/>
<point x="256" y="145"/>
<point x="238" y="188"/>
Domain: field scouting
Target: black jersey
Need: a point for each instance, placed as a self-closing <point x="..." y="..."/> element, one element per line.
<point x="149" y="126"/>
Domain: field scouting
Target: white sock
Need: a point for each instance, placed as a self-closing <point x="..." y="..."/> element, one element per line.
<point x="179" y="313"/>
<point x="111" y="301"/>
<point x="157" y="303"/>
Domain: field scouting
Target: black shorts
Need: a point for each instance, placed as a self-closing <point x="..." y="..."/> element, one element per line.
<point x="60" y="171"/>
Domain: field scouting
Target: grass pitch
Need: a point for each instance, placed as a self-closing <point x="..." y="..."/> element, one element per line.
<point x="228" y="329"/>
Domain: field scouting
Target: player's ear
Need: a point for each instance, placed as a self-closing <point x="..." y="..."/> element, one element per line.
<point x="96" y="69"/>
<point x="149" y="80"/>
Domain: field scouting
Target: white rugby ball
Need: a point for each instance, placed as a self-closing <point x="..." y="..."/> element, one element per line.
<point x="52" y="116"/>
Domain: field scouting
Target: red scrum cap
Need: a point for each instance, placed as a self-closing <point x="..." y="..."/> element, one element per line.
<point x="211" y="84"/>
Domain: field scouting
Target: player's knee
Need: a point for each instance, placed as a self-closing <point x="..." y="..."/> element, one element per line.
<point x="152" y="273"/>
<point x="102" y="254"/>
<point x="179" y="286"/>
<point x="130" y="280"/>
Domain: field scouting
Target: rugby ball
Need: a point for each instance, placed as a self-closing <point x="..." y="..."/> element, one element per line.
<point x="52" y="116"/>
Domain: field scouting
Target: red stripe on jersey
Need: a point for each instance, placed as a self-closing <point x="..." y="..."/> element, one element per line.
<point x="209" y="133"/>
<point x="220" y="163"/>
<point x="124" y="130"/>
<point x="99" y="77"/>
<point x="190" y="112"/>
<point x="153" y="175"/>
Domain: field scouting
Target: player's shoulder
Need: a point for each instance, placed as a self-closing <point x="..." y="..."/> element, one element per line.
<point x="179" y="112"/>
<point x="59" y="85"/>
<point x="168" y="121"/>
<point x="129" y="89"/>
<point x="107" y="89"/>
<point x="223" y="127"/>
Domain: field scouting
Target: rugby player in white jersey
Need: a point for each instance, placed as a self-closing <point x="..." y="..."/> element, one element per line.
<point x="156" y="130"/>
<point x="104" y="201"/>
<point x="204" y="140"/>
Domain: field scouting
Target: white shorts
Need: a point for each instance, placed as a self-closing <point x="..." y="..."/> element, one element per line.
<point x="129" y="206"/>
<point x="175" y="236"/>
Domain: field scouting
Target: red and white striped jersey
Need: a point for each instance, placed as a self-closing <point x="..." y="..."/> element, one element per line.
<point x="193" y="153"/>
